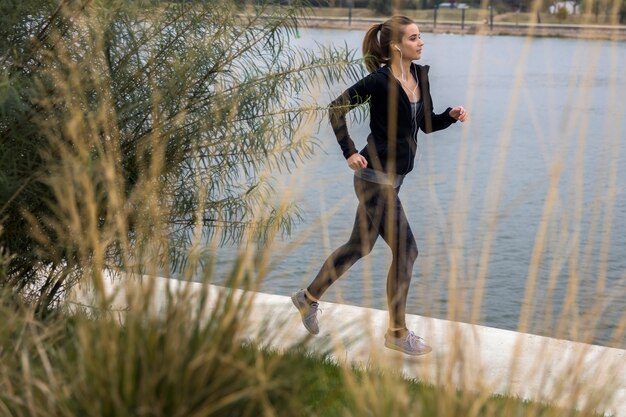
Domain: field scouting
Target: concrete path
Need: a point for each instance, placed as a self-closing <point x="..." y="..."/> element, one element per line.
<point x="469" y="357"/>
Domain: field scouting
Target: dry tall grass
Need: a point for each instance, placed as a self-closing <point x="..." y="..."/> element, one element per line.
<point x="180" y="353"/>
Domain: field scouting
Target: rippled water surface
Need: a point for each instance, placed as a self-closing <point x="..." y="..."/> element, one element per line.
<point x="531" y="190"/>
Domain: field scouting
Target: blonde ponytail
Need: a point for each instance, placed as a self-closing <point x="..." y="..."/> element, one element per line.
<point x="377" y="40"/>
<point x="372" y="53"/>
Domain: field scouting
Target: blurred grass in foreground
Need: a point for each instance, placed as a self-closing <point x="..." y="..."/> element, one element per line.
<point x="178" y="364"/>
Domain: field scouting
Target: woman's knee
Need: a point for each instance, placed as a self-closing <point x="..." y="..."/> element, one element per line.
<point x="354" y="250"/>
<point x="409" y="252"/>
<point x="363" y="249"/>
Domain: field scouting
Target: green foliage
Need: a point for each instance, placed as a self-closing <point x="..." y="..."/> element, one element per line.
<point x="381" y="7"/>
<point x="561" y="14"/>
<point x="134" y="130"/>
<point x="160" y="366"/>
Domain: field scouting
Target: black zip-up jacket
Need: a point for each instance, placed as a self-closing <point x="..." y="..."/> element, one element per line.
<point x="392" y="143"/>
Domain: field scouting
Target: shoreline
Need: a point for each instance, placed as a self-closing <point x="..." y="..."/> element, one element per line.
<point x="590" y="32"/>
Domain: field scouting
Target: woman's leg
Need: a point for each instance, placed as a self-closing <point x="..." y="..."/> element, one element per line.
<point x="380" y="212"/>
<point x="365" y="231"/>
<point x="398" y="235"/>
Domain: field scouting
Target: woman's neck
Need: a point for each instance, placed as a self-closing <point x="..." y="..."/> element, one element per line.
<point x="400" y="68"/>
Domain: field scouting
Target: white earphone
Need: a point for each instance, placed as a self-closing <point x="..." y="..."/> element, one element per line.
<point x="397" y="47"/>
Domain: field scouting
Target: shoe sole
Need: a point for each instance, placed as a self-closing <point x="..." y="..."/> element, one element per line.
<point x="294" y="300"/>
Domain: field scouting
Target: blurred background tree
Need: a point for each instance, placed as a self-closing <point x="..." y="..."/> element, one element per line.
<point x="382" y="7"/>
<point x="561" y="14"/>
<point x="132" y="131"/>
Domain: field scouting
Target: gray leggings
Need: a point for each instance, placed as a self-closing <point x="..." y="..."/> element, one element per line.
<point x="379" y="213"/>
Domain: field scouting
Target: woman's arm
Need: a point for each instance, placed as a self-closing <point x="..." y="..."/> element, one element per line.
<point x="352" y="97"/>
<point x="337" y="114"/>
<point x="443" y="120"/>
<point x="432" y="122"/>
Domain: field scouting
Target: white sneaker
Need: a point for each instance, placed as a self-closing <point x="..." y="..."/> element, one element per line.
<point x="411" y="344"/>
<point x="307" y="311"/>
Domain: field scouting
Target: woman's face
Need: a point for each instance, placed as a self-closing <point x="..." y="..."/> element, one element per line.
<point x="411" y="44"/>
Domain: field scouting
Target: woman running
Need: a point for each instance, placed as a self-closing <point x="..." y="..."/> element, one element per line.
<point x="397" y="92"/>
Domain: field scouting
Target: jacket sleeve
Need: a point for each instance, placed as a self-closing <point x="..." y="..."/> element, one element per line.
<point x="432" y="122"/>
<point x="354" y="96"/>
<point x="437" y="121"/>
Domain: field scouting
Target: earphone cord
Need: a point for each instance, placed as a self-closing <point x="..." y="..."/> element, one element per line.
<point x="414" y="91"/>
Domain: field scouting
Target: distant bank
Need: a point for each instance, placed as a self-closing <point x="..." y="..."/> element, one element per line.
<point x="601" y="32"/>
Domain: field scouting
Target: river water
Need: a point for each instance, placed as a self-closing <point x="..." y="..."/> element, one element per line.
<point x="520" y="213"/>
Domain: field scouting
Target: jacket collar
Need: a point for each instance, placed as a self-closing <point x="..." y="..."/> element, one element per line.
<point x="422" y="70"/>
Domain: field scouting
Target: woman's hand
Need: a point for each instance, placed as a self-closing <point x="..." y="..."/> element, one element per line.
<point x="458" y="113"/>
<point x="357" y="161"/>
